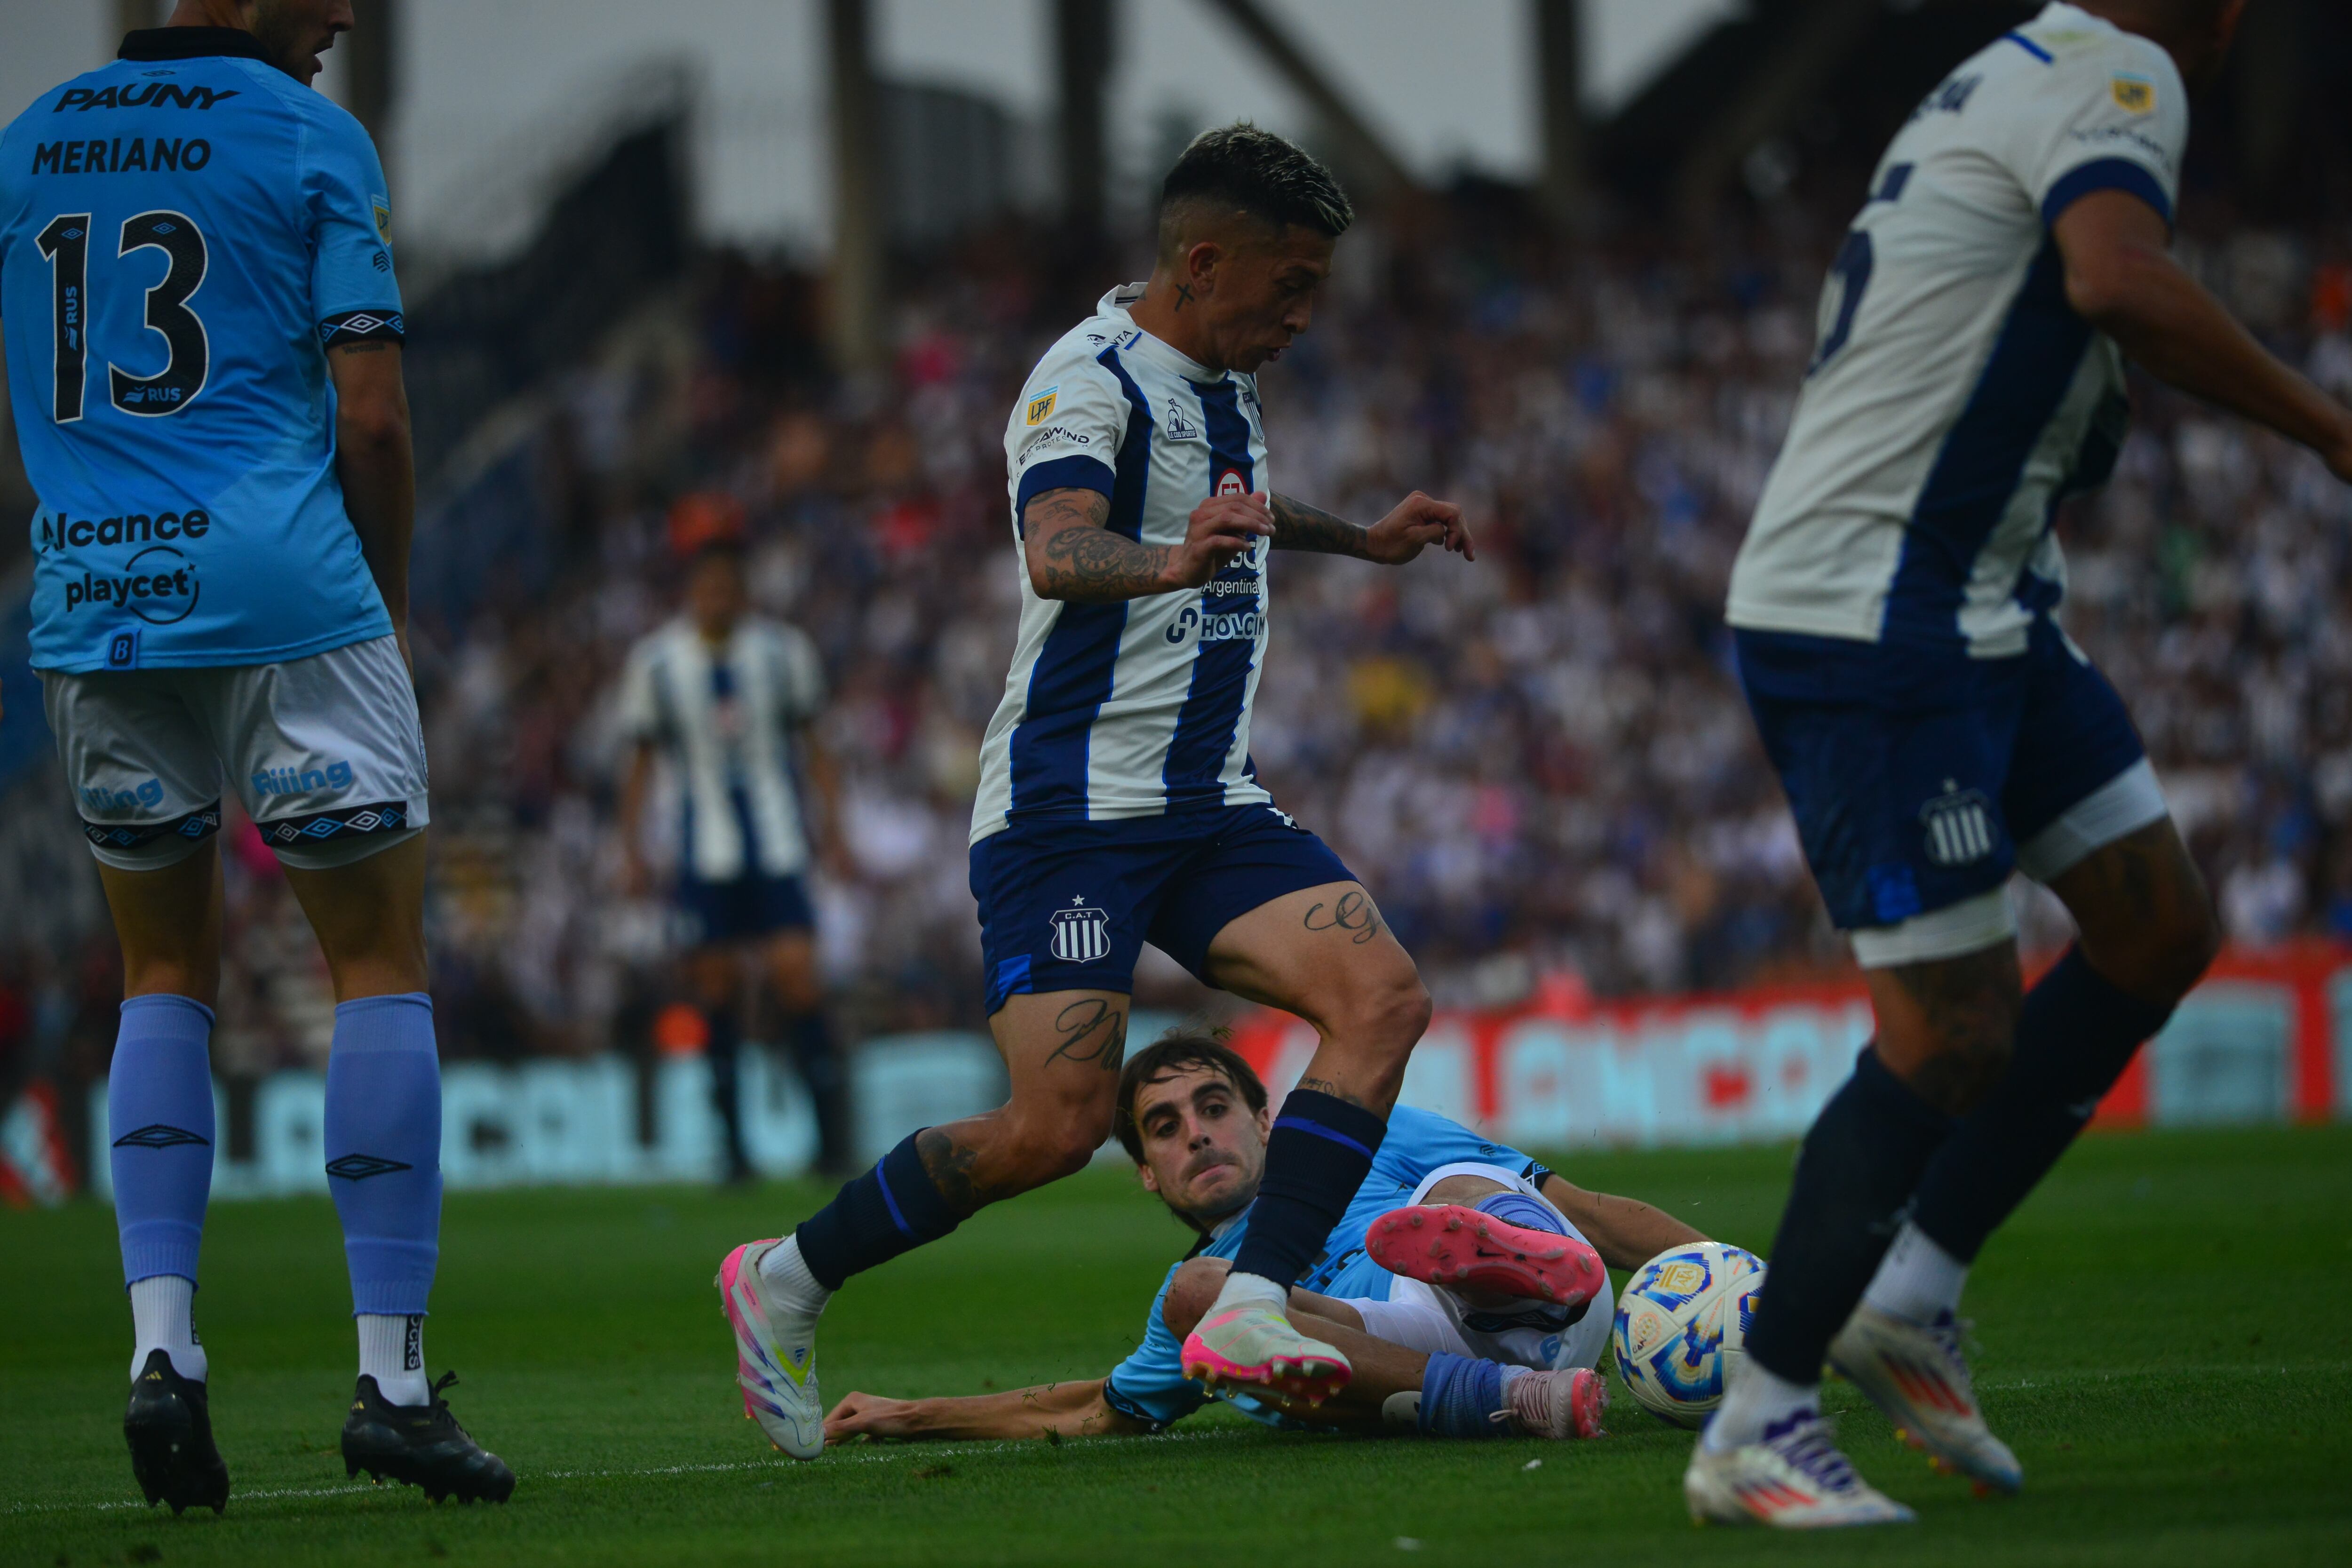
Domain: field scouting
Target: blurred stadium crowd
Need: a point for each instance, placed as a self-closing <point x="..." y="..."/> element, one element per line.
<point x="1541" y="763"/>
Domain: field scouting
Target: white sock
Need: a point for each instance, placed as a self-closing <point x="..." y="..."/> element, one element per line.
<point x="1249" y="1291"/>
<point x="1512" y="1375"/>
<point x="1916" y="1279"/>
<point x="789" y="1285"/>
<point x="1755" y="1400"/>
<point x="391" y="1351"/>
<point x="163" y="1318"/>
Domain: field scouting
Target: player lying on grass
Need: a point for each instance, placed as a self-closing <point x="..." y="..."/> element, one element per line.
<point x="1505" y="1346"/>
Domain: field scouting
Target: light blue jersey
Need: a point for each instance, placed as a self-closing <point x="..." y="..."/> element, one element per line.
<point x="183" y="235"/>
<point x="1150" y="1387"/>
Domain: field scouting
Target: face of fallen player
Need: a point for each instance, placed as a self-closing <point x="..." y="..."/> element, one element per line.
<point x="1253" y="284"/>
<point x="1203" y="1147"/>
<point x="293" y="33"/>
<point x="714" y="593"/>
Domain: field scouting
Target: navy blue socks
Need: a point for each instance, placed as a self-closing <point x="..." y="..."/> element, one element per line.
<point x="383" y="1149"/>
<point x="2075" y="1035"/>
<point x="159" y="1119"/>
<point x="892" y="1208"/>
<point x="1320" y="1151"/>
<point x="1459" y="1397"/>
<point x="1858" y="1168"/>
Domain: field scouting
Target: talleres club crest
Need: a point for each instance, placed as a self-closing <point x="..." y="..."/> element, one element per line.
<point x="1081" y="933"/>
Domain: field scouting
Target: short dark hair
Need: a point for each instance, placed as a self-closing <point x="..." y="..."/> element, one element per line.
<point x="1177" y="1050"/>
<point x="1258" y="173"/>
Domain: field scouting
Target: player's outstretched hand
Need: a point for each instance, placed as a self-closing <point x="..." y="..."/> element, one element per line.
<point x="1418" y="523"/>
<point x="871" y="1415"/>
<point x="1222" y="528"/>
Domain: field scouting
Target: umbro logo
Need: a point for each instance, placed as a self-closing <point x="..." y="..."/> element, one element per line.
<point x="360" y="1167"/>
<point x="156" y="1135"/>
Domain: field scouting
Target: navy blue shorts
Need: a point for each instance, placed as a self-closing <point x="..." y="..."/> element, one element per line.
<point x="1920" y="780"/>
<point x="1066" y="906"/>
<point x="744" y="908"/>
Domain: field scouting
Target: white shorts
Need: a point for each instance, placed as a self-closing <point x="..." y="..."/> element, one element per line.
<point x="1431" y="1320"/>
<point x="326" y="753"/>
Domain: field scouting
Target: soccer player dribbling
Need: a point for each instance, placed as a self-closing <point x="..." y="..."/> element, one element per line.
<point x="203" y="338"/>
<point x="1894" y="607"/>
<point x="1117" y="803"/>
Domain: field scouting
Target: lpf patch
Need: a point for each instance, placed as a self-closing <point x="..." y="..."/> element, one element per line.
<point x="1041" y="407"/>
<point x="2134" y="94"/>
<point x="1081" y="934"/>
<point x="1959" y="827"/>
<point x="383" y="214"/>
<point x="1681" y="1278"/>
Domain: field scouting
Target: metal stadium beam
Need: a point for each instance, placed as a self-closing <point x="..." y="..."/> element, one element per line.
<point x="1559" y="78"/>
<point x="854" y="286"/>
<point x="372" y="43"/>
<point x="1359" y="143"/>
<point x="1082" y="39"/>
<point x="1817" y="36"/>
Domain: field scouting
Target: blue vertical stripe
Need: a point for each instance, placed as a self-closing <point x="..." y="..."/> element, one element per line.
<point x="1976" y="474"/>
<point x="1221" y="669"/>
<point x="1072" y="678"/>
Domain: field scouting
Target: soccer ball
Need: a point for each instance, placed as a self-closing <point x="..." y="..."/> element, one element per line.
<point x="1682" y="1325"/>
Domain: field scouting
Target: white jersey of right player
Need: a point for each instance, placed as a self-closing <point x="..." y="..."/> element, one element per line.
<point x="1140" y="707"/>
<point x="1956" y="397"/>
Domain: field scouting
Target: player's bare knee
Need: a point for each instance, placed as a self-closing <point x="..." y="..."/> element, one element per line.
<point x="1948" y="1027"/>
<point x="1191" y="1293"/>
<point x="1462" y="1190"/>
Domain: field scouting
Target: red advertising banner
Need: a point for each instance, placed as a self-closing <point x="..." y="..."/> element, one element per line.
<point x="2264" y="1038"/>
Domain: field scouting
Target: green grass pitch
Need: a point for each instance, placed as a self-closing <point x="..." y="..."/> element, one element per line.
<point x="2164" y="1336"/>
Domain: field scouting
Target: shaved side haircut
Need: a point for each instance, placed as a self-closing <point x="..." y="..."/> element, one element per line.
<point x="1240" y="168"/>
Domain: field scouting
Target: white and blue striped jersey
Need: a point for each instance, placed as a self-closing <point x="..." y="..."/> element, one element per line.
<point x="1956" y="397"/>
<point x="728" y="714"/>
<point x="1139" y="708"/>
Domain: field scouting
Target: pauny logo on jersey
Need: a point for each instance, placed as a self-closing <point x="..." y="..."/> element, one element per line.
<point x="1960" y="828"/>
<point x="1180" y="427"/>
<point x="1081" y="934"/>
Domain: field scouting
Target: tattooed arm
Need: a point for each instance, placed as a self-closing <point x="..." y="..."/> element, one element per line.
<point x="1416" y="523"/>
<point x="1072" y="555"/>
<point x="1297" y="526"/>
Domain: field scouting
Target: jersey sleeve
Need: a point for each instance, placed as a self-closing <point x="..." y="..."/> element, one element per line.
<point x="353" y="293"/>
<point x="1149" y="1386"/>
<point x="1419" y="1142"/>
<point x="2115" y="119"/>
<point x="1064" y="433"/>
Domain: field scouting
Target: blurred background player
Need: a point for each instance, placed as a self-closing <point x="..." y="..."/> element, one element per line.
<point x="727" y="694"/>
<point x="1472" y="1361"/>
<point x="1896" y="606"/>
<point x="204" y="357"/>
<point x="1117" y="799"/>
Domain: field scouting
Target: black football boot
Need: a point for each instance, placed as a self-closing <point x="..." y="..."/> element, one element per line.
<point x="170" y="1430"/>
<point x="421" y="1446"/>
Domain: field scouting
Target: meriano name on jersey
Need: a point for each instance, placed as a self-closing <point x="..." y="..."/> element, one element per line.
<point x="1141" y="707"/>
<point x="1956" y="397"/>
<point x="182" y="233"/>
